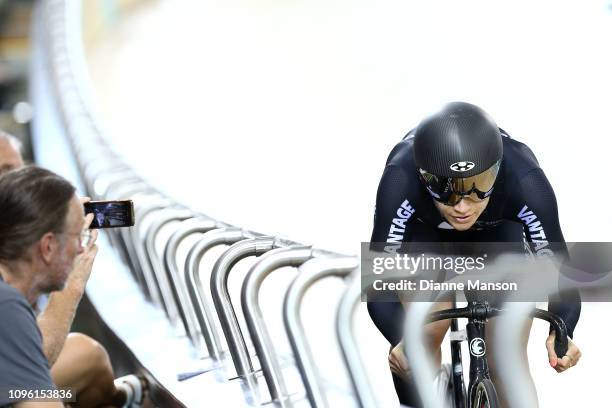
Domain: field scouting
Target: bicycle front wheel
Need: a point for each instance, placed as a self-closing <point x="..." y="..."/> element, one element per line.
<point x="485" y="395"/>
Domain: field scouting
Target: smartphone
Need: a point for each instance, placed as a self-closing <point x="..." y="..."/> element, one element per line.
<point x="111" y="214"/>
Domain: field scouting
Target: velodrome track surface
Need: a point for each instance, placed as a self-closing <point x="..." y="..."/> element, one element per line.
<point x="279" y="118"/>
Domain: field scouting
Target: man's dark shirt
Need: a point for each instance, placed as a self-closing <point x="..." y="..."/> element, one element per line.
<point x="23" y="364"/>
<point x="521" y="194"/>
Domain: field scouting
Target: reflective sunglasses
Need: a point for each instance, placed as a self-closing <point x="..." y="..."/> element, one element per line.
<point x="451" y="190"/>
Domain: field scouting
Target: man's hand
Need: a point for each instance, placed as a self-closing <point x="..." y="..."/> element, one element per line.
<point x="570" y="358"/>
<point x="398" y="362"/>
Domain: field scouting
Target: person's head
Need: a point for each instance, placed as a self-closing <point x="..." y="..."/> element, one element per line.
<point x="458" y="152"/>
<point x="41" y="221"/>
<point x="10" y="152"/>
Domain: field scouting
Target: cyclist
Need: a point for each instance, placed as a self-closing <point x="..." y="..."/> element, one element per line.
<point x="458" y="177"/>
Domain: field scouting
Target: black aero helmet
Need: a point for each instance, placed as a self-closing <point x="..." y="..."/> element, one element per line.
<point x="457" y="152"/>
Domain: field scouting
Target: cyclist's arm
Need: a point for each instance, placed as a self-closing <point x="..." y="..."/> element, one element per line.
<point x="536" y="208"/>
<point x="394" y="210"/>
<point x="394" y="189"/>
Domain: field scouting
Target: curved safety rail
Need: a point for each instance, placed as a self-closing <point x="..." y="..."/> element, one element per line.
<point x="223" y="304"/>
<point x="268" y="263"/>
<point x="507" y="337"/>
<point x="164" y="217"/>
<point x="137" y="236"/>
<point x="125" y="235"/>
<point x="417" y="355"/>
<point x="350" y="351"/>
<point x="111" y="179"/>
<point x="195" y="288"/>
<point x="173" y="274"/>
<point x="127" y="191"/>
<point x="309" y="273"/>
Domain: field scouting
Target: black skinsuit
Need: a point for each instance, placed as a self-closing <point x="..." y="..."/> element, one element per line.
<point x="521" y="207"/>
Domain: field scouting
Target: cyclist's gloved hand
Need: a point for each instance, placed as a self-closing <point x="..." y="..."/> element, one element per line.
<point x="569" y="360"/>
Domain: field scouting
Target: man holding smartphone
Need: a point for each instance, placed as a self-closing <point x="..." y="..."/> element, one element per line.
<point x="32" y="264"/>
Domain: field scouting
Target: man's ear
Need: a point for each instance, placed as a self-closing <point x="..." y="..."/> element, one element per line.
<point x="48" y="246"/>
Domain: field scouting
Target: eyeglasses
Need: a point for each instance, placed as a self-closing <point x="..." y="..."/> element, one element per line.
<point x="451" y="190"/>
<point x="84" y="236"/>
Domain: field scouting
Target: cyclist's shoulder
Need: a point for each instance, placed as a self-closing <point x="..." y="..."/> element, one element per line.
<point x="518" y="153"/>
<point x="518" y="159"/>
<point x="402" y="154"/>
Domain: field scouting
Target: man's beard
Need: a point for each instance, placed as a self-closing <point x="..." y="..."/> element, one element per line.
<point x="53" y="287"/>
<point x="57" y="279"/>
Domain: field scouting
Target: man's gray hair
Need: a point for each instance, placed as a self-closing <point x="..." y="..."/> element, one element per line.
<point x="16" y="143"/>
<point x="33" y="201"/>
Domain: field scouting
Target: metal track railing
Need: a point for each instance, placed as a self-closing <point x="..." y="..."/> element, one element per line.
<point x="178" y="288"/>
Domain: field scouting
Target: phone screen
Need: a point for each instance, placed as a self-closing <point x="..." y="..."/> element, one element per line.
<point x="111" y="214"/>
